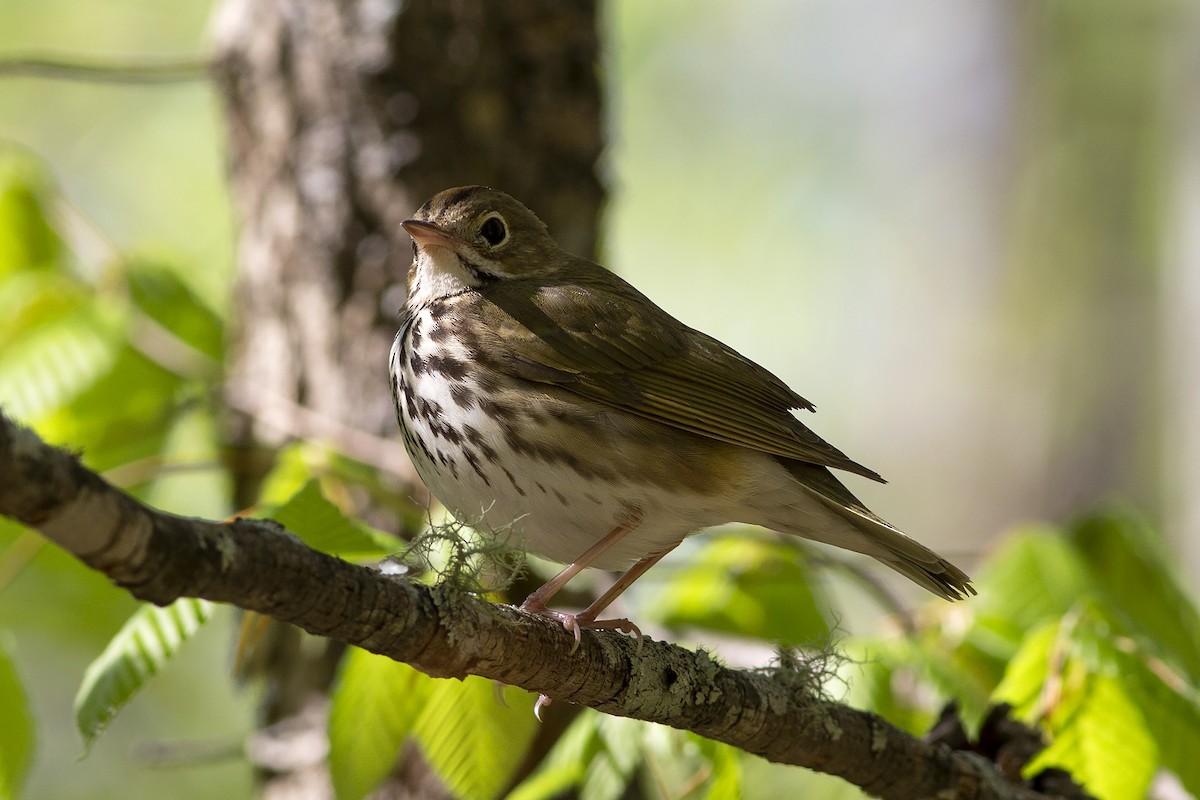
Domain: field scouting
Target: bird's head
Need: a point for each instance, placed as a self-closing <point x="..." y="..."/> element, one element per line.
<point x="470" y="236"/>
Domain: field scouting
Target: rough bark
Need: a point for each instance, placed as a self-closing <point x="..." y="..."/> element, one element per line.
<point x="342" y="118"/>
<point x="258" y="566"/>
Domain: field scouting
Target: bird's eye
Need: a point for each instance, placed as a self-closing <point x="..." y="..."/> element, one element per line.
<point x="493" y="230"/>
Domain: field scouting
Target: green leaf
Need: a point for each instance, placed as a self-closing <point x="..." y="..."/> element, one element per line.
<point x="1022" y="684"/>
<point x="562" y="767"/>
<point x="1035" y="576"/>
<point x="322" y="526"/>
<point x="53" y="343"/>
<point x="613" y="755"/>
<point x="1099" y="737"/>
<point x="726" y="765"/>
<point x="745" y="585"/>
<point x="1127" y="564"/>
<point x="16" y="734"/>
<point x="160" y="294"/>
<point x="1172" y="713"/>
<point x="475" y="734"/>
<point x="1073" y="683"/>
<point x="143" y="646"/>
<point x="27" y="240"/>
<point x="125" y="415"/>
<point x="291" y="472"/>
<point x="374" y="705"/>
<point x="1169" y="704"/>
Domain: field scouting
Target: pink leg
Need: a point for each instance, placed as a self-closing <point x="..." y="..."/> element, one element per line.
<point x="588" y="617"/>
<point x="536" y="602"/>
<point x="575" y="623"/>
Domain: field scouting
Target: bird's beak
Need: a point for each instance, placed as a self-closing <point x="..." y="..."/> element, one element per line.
<point x="425" y="234"/>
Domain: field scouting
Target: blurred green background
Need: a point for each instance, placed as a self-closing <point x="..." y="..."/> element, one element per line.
<point x="970" y="233"/>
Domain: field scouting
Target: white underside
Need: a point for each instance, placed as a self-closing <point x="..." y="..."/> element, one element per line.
<point x="560" y="515"/>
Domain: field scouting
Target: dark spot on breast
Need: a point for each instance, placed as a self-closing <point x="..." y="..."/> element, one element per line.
<point x="450" y="367"/>
<point x="513" y="481"/>
<point x="501" y="412"/>
<point x="475" y="438"/>
<point x="473" y="460"/>
<point x="462" y="396"/>
<point x="416" y="364"/>
<point x="556" y="455"/>
<point x="561" y="498"/>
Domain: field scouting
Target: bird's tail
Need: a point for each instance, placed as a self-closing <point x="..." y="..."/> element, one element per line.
<point x="864" y="532"/>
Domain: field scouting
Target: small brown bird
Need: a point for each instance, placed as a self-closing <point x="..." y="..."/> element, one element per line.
<point x="540" y="394"/>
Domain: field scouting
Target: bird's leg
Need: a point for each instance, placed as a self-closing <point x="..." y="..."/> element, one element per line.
<point x="536" y="602"/>
<point x="588" y="619"/>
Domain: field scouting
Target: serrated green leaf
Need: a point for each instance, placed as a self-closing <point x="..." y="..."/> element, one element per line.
<point x="17" y="733"/>
<point x="54" y="342"/>
<point x="748" y="586"/>
<point x="1172" y="713"/>
<point x="1099" y="737"/>
<point x="1168" y="703"/>
<point x="473" y="740"/>
<point x="1073" y="681"/>
<point x="160" y="294"/>
<point x="1127" y="564"/>
<point x="372" y="711"/>
<point x="143" y="646"/>
<point x="322" y="526"/>
<point x="123" y="416"/>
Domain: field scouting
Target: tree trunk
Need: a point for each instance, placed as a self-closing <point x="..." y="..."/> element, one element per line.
<point x="343" y="117"/>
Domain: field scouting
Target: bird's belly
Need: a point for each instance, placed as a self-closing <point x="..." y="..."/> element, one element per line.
<point x="553" y="474"/>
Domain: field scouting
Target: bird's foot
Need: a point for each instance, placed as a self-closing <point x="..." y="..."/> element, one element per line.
<point x="575" y="623"/>
<point x="620" y="625"/>
<point x="541" y="703"/>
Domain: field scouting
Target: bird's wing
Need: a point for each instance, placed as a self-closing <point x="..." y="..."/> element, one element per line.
<point x="602" y="339"/>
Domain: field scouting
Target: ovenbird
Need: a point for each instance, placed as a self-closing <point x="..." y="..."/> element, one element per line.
<point x="542" y="395"/>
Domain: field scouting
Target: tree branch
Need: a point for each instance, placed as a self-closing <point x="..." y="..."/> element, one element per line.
<point x="256" y="565"/>
<point x="74" y="68"/>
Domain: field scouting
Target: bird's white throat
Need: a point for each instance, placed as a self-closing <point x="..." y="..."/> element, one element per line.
<point x="438" y="273"/>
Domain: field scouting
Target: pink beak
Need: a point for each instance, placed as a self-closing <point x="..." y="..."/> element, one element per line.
<point x="425" y="234"/>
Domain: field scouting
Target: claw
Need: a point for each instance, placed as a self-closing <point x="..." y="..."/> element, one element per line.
<point x="575" y="623"/>
<point x="568" y="621"/>
<point x="541" y="703"/>
<point x="621" y="625"/>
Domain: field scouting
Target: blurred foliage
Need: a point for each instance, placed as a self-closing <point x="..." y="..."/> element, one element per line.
<point x="145" y="644"/>
<point x="16" y="735"/>
<point x="1087" y="630"/>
